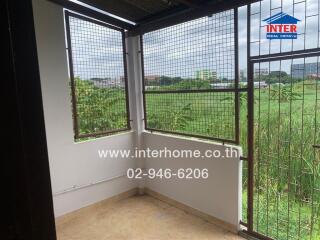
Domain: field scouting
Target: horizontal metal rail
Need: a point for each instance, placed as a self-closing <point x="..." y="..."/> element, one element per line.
<point x="92" y="13"/>
<point x="104" y="133"/>
<point x="232" y="90"/>
<point x="223" y="141"/>
<point x="104" y="24"/>
<point x="257" y="235"/>
<point x="287" y="55"/>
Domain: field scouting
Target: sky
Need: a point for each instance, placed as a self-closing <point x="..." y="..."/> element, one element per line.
<point x="307" y="28"/>
<point x="205" y="43"/>
<point x="96" y="50"/>
<point x="181" y="50"/>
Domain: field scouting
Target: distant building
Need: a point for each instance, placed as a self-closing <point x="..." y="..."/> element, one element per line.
<point x="206" y="75"/>
<point x="260" y="84"/>
<point x="261" y="72"/>
<point x="278" y="73"/>
<point x="307" y="70"/>
<point x="152" y="80"/>
<point x="278" y="84"/>
<point x="107" y="82"/>
<point x="221" y="85"/>
<point x="314" y="76"/>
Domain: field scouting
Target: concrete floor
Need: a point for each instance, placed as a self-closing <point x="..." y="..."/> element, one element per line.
<point x="138" y="217"/>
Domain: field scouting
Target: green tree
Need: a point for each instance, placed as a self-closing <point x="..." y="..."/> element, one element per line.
<point x="284" y="94"/>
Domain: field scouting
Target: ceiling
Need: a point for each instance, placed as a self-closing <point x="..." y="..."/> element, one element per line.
<point x="148" y="15"/>
<point x="140" y="11"/>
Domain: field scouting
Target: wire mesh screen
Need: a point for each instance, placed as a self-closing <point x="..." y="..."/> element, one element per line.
<point x="287" y="150"/>
<point x="307" y="25"/>
<point x="193" y="113"/>
<point x="189" y="77"/>
<point x="98" y="77"/>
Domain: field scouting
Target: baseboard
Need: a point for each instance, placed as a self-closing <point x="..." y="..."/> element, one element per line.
<point x="220" y="223"/>
<point x="69" y="216"/>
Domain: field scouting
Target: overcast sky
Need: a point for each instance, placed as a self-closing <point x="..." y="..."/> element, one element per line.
<point x="97" y="50"/>
<point x="205" y="43"/>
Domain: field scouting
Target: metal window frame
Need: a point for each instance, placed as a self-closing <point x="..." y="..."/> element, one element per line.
<point x="251" y="60"/>
<point x="77" y="135"/>
<point x="236" y="90"/>
<point x="93" y="14"/>
<point x="315" y="52"/>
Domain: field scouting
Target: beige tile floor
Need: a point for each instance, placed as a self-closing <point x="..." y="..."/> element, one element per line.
<point x="137" y="218"/>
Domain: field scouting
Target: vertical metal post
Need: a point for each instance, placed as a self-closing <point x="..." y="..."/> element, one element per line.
<point x="71" y="73"/>
<point x="250" y="126"/>
<point x="236" y="78"/>
<point x="143" y="82"/>
<point x="124" y="48"/>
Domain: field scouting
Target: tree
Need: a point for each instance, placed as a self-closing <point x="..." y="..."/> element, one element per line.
<point x="284" y="94"/>
<point x="99" y="109"/>
<point x="173" y="119"/>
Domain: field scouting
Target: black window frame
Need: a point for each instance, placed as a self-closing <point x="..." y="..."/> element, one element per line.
<point x="236" y="90"/>
<point x="77" y="135"/>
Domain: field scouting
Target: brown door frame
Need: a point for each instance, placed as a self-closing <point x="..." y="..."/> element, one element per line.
<point x="251" y="60"/>
<point x="27" y="199"/>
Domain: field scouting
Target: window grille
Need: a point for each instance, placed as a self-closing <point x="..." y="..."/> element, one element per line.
<point x="191" y="80"/>
<point x="97" y="66"/>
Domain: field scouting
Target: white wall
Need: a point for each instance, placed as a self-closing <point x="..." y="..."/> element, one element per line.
<point x="72" y="165"/>
<point x="135" y="76"/>
<point x="218" y="196"/>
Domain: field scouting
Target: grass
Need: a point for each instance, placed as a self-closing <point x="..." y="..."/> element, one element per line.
<point x="192" y="113"/>
<point x="274" y="220"/>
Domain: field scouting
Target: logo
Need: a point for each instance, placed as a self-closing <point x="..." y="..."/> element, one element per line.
<point x="281" y="26"/>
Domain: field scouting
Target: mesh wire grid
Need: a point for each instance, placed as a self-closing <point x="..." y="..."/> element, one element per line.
<point x="193" y="113"/>
<point x="287" y="179"/>
<point x="306" y="11"/>
<point x="98" y="77"/>
<point x="189" y="77"/>
<point x="286" y="165"/>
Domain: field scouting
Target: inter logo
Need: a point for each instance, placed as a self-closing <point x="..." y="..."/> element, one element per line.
<point x="281" y="26"/>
